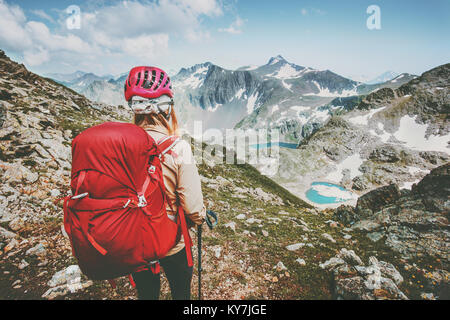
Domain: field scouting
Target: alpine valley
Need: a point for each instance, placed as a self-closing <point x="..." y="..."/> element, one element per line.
<point x="357" y="135"/>
<point x="385" y="143"/>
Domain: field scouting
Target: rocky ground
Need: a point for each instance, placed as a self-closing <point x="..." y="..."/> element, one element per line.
<point x="268" y="245"/>
<point x="413" y="223"/>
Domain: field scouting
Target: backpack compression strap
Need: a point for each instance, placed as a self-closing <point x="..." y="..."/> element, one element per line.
<point x="83" y="201"/>
<point x="84" y="217"/>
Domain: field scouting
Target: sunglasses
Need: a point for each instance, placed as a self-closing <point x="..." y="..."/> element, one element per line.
<point x="146" y="106"/>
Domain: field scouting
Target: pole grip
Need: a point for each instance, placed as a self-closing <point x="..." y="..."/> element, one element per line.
<point x="211" y="219"/>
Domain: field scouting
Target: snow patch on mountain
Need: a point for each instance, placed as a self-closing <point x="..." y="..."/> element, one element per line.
<point x="212" y="109"/>
<point x="286" y="71"/>
<point x="299" y="108"/>
<point x="364" y="119"/>
<point x="274" y="108"/>
<point x="195" y="80"/>
<point x="386" y="76"/>
<point x="413" y="135"/>
<point x="380" y="132"/>
<point x="415" y="170"/>
<point x="352" y="164"/>
<point x="251" y="103"/>
<point x="321" y="115"/>
<point x="239" y="94"/>
<point x="325" y="92"/>
<point x="287" y="86"/>
<point x="397" y="78"/>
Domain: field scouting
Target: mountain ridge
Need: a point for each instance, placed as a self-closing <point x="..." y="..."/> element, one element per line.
<point x="389" y="136"/>
<point x="385" y="76"/>
<point x="223" y="98"/>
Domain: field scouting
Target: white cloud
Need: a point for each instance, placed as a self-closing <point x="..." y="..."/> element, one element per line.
<point x="235" y="27"/>
<point x="146" y="46"/>
<point x="133" y="18"/>
<point x="197" y="36"/>
<point x="43" y="15"/>
<point x="12" y="34"/>
<point x="208" y="7"/>
<point x="42" y="36"/>
<point x="35" y="58"/>
<point x="135" y="30"/>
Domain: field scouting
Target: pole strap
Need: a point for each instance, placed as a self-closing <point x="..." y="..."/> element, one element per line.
<point x="186" y="236"/>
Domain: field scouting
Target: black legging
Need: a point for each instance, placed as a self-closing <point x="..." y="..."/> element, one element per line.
<point x="177" y="272"/>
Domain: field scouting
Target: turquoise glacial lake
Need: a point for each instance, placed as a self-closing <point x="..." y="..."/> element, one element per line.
<point x="328" y="193"/>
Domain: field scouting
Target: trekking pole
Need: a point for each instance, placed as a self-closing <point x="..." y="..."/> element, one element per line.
<point x="199" y="233"/>
<point x="211" y="224"/>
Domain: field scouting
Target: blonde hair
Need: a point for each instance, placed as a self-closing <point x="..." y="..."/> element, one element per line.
<point x="154" y="119"/>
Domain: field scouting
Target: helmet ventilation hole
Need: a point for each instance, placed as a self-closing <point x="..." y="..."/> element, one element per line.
<point x="138" y="78"/>
<point x="161" y="77"/>
<point x="145" y="85"/>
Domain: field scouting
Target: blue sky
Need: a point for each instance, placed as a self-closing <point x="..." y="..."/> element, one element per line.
<point x="328" y="34"/>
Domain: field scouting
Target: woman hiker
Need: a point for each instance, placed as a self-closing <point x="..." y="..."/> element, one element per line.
<point x="148" y="92"/>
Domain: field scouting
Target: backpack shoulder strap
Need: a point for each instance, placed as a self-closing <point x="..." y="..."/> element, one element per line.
<point x="166" y="144"/>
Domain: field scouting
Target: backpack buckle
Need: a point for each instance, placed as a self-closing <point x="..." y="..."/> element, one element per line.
<point x="126" y="204"/>
<point x="79" y="196"/>
<point x="142" y="201"/>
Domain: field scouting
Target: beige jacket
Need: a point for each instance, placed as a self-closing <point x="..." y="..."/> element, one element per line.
<point x="182" y="181"/>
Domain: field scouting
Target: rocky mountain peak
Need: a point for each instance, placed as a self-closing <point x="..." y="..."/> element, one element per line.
<point x="385" y="76"/>
<point x="435" y="79"/>
<point x="13" y="70"/>
<point x="277" y="59"/>
<point x="195" y="68"/>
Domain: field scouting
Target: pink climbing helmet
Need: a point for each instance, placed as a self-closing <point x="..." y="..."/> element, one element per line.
<point x="147" y="82"/>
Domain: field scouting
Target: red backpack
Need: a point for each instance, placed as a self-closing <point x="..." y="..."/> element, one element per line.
<point x="116" y="219"/>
